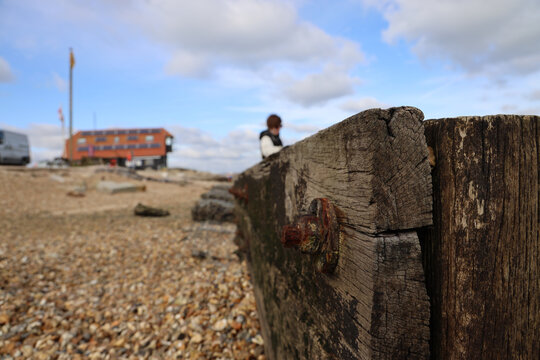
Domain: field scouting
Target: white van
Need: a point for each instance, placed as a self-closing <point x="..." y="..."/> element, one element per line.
<point x="14" y="148"/>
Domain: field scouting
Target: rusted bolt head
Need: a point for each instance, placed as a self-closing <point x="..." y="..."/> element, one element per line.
<point x="310" y="241"/>
<point x="317" y="233"/>
<point x="305" y="235"/>
<point x="291" y="235"/>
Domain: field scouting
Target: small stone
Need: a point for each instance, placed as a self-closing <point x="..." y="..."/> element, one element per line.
<point x="27" y="350"/>
<point x="179" y="345"/>
<point x="258" y="340"/>
<point x="196" y="339"/>
<point x="199" y="254"/>
<point x="236" y="325"/>
<point x="4" y="318"/>
<point x="76" y="193"/>
<point x="181" y="300"/>
<point x="65" y="338"/>
<point x="41" y="356"/>
<point x="93" y="328"/>
<point x="220" y="325"/>
<point x="8" y="348"/>
<point x="119" y="342"/>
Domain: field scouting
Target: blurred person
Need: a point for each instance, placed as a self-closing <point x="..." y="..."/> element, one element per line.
<point x="269" y="139"/>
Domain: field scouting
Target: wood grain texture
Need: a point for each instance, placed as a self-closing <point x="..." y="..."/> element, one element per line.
<point x="483" y="255"/>
<point x="374" y="168"/>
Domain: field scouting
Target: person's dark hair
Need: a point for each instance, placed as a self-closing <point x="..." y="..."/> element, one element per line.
<point x="273" y="121"/>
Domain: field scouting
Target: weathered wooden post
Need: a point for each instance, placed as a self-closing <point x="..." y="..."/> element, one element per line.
<point x="331" y="227"/>
<point x="330" y="230"/>
<point x="483" y="254"/>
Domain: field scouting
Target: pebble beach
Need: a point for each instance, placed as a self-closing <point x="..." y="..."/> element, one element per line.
<point x="82" y="277"/>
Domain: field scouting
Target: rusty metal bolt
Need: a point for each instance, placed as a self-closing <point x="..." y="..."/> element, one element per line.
<point x="317" y="233"/>
<point x="291" y="235"/>
<point x="240" y="193"/>
<point x="305" y="235"/>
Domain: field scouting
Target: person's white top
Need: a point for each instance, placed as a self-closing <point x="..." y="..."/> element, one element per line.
<point x="267" y="146"/>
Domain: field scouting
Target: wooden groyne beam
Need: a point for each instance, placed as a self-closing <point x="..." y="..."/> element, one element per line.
<point x="373" y="170"/>
<point x="359" y="249"/>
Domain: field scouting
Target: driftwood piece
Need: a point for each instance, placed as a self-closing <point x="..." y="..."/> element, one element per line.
<point x="373" y="169"/>
<point x="483" y="254"/>
<point x="144" y="210"/>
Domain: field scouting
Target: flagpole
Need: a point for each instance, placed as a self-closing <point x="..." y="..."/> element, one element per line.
<point x="71" y="64"/>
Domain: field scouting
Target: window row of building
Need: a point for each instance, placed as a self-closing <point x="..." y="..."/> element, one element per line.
<point x="120" y="132"/>
<point x="119" y="147"/>
<point x="147" y="138"/>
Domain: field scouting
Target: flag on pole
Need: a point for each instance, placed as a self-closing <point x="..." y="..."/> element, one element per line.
<point x="71" y="58"/>
<point x="61" y="115"/>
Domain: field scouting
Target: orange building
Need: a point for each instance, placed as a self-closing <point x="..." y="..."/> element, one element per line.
<point x="131" y="147"/>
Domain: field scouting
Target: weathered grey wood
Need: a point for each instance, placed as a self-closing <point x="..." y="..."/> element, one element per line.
<point x="374" y="168"/>
<point x="219" y="193"/>
<point x="483" y="255"/>
<point x="213" y="210"/>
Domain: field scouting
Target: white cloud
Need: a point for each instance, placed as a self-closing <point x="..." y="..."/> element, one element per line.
<point x="514" y="109"/>
<point x="188" y="64"/>
<point x="534" y="95"/>
<point x="59" y="82"/>
<point x="46" y="140"/>
<point x="196" y="149"/>
<point x="40" y="135"/>
<point x="529" y="111"/>
<point x="46" y="136"/>
<point x="318" y="88"/>
<point x="208" y="35"/>
<point x="198" y="39"/>
<point x="496" y="38"/>
<point x="6" y="75"/>
<point x="247" y="32"/>
<point x="358" y="105"/>
<point x="303" y="128"/>
<point x="509" y="108"/>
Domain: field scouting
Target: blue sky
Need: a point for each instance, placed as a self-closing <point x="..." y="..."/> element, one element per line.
<point x="211" y="71"/>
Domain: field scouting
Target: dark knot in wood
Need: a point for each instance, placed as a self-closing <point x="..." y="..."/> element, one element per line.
<point x="317" y="233"/>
